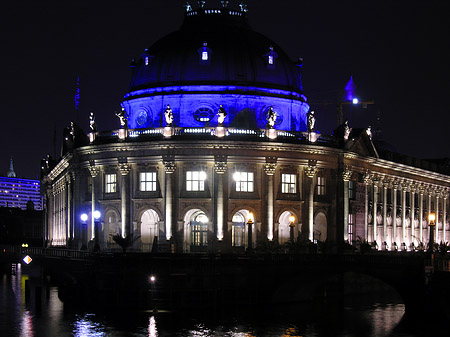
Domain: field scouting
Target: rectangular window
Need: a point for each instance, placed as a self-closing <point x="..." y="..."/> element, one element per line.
<point x="288" y="183"/>
<point x="199" y="234"/>
<point x="238" y="233"/>
<point x="244" y="181"/>
<point x="352" y="190"/>
<point x="205" y="56"/>
<point x="195" y="181"/>
<point x="111" y="183"/>
<point x="270" y="59"/>
<point x="320" y="185"/>
<point x="351" y="225"/>
<point x="147" y="181"/>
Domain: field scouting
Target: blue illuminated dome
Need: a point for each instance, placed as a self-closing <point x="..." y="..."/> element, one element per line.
<point x="216" y="58"/>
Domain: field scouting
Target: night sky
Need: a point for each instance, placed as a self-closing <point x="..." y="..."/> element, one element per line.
<point x="396" y="51"/>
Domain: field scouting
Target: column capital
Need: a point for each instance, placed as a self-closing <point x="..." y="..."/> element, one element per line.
<point x="270" y="168"/>
<point x="220" y="167"/>
<point x="311" y="169"/>
<point x="94" y="171"/>
<point x="367" y="177"/>
<point x="346" y="173"/>
<point x="124" y="168"/>
<point x="169" y="166"/>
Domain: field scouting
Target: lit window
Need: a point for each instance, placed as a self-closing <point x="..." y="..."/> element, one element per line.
<point x="320" y="185"/>
<point x="147" y="181"/>
<point x="270" y="59"/>
<point x="146" y="60"/>
<point x="111" y="183"/>
<point x="244" y="181"/>
<point x="351" y="224"/>
<point x="195" y="180"/>
<point x="288" y="183"/>
<point x="204" y="56"/>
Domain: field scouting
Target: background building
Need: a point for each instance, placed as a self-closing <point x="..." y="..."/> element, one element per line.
<point x="18" y="192"/>
<point x="177" y="175"/>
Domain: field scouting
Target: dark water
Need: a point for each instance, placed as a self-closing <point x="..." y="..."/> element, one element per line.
<point x="20" y="316"/>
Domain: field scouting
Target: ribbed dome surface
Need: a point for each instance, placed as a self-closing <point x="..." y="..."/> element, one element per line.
<point x="236" y="56"/>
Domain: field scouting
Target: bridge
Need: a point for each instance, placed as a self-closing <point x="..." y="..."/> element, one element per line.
<point x="205" y="280"/>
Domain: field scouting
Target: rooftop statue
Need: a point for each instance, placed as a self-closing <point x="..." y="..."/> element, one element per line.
<point x="168" y="114"/>
<point x="311" y="121"/>
<point x="224" y="4"/>
<point x="222" y="114"/>
<point x="347" y="130"/>
<point x="92" y="124"/>
<point x="369" y="132"/>
<point x="243" y="7"/>
<point x="188" y="7"/>
<point x="123" y="118"/>
<point x="271" y="117"/>
<point x="201" y="4"/>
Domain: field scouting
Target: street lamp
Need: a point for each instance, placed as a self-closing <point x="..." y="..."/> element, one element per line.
<point x="291" y="228"/>
<point x="431" y="224"/>
<point x="84" y="219"/>
<point x="97" y="216"/>
<point x="250" y="232"/>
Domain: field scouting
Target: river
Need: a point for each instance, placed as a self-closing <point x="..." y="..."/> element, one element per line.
<point x="23" y="315"/>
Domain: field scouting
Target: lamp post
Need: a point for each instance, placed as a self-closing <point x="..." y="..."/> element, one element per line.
<point x="250" y="232"/>
<point x="97" y="216"/>
<point x="84" y="218"/>
<point x="431" y="224"/>
<point x="291" y="228"/>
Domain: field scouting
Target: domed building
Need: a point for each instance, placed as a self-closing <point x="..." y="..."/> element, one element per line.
<point x="217" y="151"/>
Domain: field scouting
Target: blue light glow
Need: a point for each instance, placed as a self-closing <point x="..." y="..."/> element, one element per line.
<point x="349" y="90"/>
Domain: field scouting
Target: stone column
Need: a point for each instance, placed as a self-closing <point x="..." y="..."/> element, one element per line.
<point x="444" y="215"/>
<point x="385" y="190"/>
<point x="310" y="172"/>
<point x="374" y="210"/>
<point x="169" y="168"/>
<point x="270" y="167"/>
<point x="430" y="195"/>
<point x="436" y="227"/>
<point x="346" y="176"/>
<point x="94" y="171"/>
<point x="69" y="206"/>
<point x="421" y="191"/>
<point x="220" y="166"/>
<point x="394" y="214"/>
<point x="404" y="189"/>
<point x="367" y="181"/>
<point x="412" y="212"/>
<point x="124" y="169"/>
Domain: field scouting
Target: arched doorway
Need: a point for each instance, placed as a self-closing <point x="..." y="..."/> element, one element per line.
<point x="239" y="230"/>
<point x="320" y="227"/>
<point x="111" y="227"/>
<point x="149" y="229"/>
<point x="196" y="230"/>
<point x="284" y="234"/>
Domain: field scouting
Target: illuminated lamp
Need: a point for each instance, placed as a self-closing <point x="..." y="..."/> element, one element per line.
<point x="355" y="101"/>
<point x="84" y="217"/>
<point x="97" y="215"/>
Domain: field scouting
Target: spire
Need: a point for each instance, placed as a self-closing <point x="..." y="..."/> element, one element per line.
<point x="11" y="173"/>
<point x="77" y="99"/>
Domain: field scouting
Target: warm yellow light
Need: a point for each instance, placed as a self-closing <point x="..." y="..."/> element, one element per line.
<point x="431" y="218"/>
<point x="291" y="219"/>
<point x="250" y="217"/>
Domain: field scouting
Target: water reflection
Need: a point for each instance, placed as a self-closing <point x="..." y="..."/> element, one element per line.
<point x="20" y="318"/>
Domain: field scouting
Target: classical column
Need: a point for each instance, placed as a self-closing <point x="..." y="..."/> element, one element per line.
<point x="385" y="190"/>
<point x="270" y="167"/>
<point x="444" y="215"/>
<point x="374" y="209"/>
<point x="124" y="169"/>
<point x="412" y="212"/>
<point x="421" y="191"/>
<point x="367" y="181"/>
<point x="394" y="213"/>
<point x="69" y="206"/>
<point x="436" y="231"/>
<point x="404" y="189"/>
<point x="430" y="194"/>
<point x="310" y="172"/>
<point x="94" y="171"/>
<point x="220" y="166"/>
<point x="346" y="176"/>
<point x="169" y="168"/>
